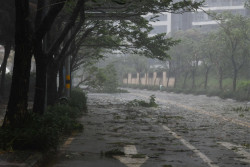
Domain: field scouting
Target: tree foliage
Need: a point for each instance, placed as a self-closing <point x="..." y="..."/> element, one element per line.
<point x="60" y="27"/>
<point x="224" y="51"/>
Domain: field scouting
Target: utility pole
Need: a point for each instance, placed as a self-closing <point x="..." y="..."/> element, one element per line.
<point x="68" y="73"/>
<point x="68" y="77"/>
<point x="45" y="48"/>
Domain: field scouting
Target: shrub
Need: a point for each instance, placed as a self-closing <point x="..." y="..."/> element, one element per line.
<point x="186" y="91"/>
<point x="39" y="133"/>
<point x="227" y="94"/>
<point x="78" y="99"/>
<point x="199" y="92"/>
<point x="243" y="91"/>
<point x="113" y="152"/>
<point x="214" y="92"/>
<point x="122" y="91"/>
<point x="44" y="132"/>
<point x="177" y="90"/>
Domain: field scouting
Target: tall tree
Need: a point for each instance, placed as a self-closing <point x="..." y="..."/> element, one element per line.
<point x="234" y="31"/>
<point x="7" y="17"/>
<point x="184" y="56"/>
<point x="28" y="40"/>
<point x="25" y="38"/>
<point x="17" y="106"/>
<point x="125" y="12"/>
<point x="206" y="51"/>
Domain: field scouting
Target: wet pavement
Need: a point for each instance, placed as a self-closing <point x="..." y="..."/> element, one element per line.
<point x="184" y="131"/>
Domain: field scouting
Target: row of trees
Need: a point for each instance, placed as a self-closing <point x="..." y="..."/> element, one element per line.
<point x="224" y="51"/>
<point x="205" y="61"/>
<point x="52" y="30"/>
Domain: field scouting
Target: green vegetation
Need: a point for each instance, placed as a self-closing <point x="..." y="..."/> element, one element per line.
<point x="138" y="156"/>
<point x="241" y="109"/>
<point x="88" y="37"/>
<point x="143" y="103"/>
<point x="113" y="152"/>
<point x="243" y="90"/>
<point x="246" y="145"/>
<point x="215" y="63"/>
<point x="242" y="93"/>
<point x="101" y="80"/>
<point x="110" y="82"/>
<point x="167" y="166"/>
<point x="78" y="99"/>
<point x="45" y="132"/>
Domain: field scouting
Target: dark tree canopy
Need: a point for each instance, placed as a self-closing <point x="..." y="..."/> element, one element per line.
<point x="51" y="28"/>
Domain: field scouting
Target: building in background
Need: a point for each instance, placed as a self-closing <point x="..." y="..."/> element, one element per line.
<point x="181" y="22"/>
<point x="161" y="24"/>
<point x="203" y="22"/>
<point x="168" y="22"/>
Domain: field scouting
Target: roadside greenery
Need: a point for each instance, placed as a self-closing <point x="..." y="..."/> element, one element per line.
<point x="101" y="80"/>
<point x="119" y="27"/>
<point x="215" y="63"/>
<point x="240" y="94"/>
<point x="219" y="61"/>
<point x="47" y="131"/>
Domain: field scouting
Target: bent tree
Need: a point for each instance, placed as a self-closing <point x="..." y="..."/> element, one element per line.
<point x="17" y="105"/>
<point x="27" y="40"/>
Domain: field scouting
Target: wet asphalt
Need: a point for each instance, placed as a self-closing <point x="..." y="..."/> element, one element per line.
<point x="183" y="131"/>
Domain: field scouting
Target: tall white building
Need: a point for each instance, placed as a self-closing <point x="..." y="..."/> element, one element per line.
<point x="161" y="24"/>
<point x="167" y="22"/>
<point x="203" y="21"/>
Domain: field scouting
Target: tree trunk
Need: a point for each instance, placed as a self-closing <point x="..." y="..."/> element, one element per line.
<point x="168" y="79"/>
<point x="235" y="80"/>
<point x="139" y="79"/>
<point x="175" y="79"/>
<point x="7" y="49"/>
<point x="40" y="88"/>
<point x="193" y="78"/>
<point x="185" y="80"/>
<point x="18" y="100"/>
<point x="52" y="84"/>
<point x="220" y="78"/>
<point x="235" y="68"/>
<point x="168" y="82"/>
<point x="206" y="77"/>
<point x="127" y="79"/>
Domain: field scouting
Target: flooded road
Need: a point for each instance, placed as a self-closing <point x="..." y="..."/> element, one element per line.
<point x="183" y="131"/>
